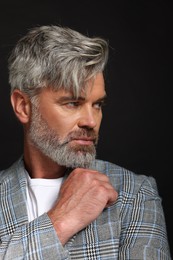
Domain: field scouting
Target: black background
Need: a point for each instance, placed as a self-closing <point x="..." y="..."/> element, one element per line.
<point x="136" y="127"/>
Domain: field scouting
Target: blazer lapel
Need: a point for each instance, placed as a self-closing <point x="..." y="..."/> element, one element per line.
<point x="13" y="211"/>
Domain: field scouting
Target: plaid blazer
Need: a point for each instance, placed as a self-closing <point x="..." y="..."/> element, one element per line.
<point x="133" y="228"/>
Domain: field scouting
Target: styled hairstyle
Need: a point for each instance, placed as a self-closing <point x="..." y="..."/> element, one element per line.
<point x="56" y="57"/>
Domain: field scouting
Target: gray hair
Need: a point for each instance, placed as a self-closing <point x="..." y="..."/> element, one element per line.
<point x="56" y="57"/>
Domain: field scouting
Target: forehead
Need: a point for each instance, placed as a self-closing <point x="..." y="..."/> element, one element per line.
<point x="95" y="88"/>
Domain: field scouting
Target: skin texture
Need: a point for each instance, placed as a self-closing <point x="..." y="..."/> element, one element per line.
<point x="85" y="193"/>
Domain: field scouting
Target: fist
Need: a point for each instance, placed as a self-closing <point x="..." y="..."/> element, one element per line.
<point x="83" y="196"/>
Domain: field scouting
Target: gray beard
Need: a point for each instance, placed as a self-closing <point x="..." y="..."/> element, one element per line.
<point x="61" y="150"/>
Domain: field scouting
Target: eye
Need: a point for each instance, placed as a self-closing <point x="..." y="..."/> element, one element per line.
<point x="99" y="104"/>
<point x="72" y="104"/>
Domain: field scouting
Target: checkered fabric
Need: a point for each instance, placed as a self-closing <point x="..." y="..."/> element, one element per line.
<point x="133" y="228"/>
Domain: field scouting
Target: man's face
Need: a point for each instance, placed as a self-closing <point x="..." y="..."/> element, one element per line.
<point x="65" y="128"/>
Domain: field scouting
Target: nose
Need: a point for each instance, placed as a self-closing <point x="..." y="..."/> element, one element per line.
<point x="88" y="118"/>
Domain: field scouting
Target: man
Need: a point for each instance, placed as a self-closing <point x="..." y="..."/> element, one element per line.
<point x="57" y="200"/>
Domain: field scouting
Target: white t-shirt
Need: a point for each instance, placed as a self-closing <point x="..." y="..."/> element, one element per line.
<point x="41" y="195"/>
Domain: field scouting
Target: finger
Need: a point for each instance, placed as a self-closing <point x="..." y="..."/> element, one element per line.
<point x="87" y="173"/>
<point x="113" y="198"/>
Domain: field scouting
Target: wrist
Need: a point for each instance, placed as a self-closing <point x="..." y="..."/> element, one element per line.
<point x="63" y="226"/>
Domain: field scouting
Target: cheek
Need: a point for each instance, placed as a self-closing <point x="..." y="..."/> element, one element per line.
<point x="59" y="120"/>
<point x="64" y="125"/>
<point x="100" y="117"/>
<point x="99" y="120"/>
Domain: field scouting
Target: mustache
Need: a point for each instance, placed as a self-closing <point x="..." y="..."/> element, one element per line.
<point x="82" y="133"/>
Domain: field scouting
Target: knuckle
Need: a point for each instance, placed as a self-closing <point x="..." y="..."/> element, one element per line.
<point x="100" y="189"/>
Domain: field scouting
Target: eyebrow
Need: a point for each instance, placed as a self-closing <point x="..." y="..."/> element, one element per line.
<point x="68" y="98"/>
<point x="80" y="98"/>
<point x="102" y="99"/>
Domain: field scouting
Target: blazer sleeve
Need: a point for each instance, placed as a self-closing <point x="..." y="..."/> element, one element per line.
<point x="34" y="240"/>
<point x="143" y="228"/>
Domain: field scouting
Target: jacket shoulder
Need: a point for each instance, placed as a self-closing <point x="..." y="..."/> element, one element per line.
<point x="123" y="178"/>
<point x="10" y="171"/>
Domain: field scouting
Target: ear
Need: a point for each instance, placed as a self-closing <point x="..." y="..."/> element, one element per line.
<point x="21" y="106"/>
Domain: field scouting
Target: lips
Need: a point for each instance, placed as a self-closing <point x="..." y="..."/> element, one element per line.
<point x="83" y="140"/>
<point x="83" y="137"/>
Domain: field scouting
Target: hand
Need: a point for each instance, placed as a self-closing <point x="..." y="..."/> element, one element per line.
<point x="82" y="198"/>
